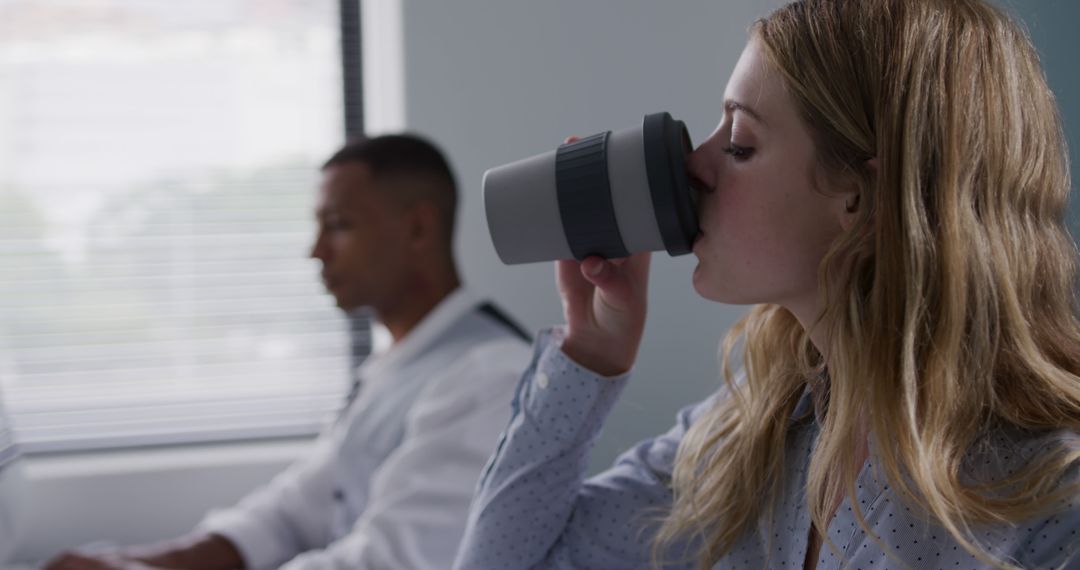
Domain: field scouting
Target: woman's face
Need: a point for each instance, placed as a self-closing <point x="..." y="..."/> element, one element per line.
<point x="765" y="225"/>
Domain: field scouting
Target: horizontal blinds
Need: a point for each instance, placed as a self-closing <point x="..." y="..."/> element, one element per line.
<point x="158" y="163"/>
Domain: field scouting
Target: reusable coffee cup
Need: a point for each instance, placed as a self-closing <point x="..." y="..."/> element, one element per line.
<point x="610" y="194"/>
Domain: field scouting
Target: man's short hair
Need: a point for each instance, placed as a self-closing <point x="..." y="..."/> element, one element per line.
<point x="410" y="167"/>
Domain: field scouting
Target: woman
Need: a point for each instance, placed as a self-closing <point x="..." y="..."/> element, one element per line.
<point x="887" y="185"/>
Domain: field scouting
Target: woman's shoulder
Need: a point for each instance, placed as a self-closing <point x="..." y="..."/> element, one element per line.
<point x="1012" y="446"/>
<point x="1040" y="465"/>
<point x="1005" y="451"/>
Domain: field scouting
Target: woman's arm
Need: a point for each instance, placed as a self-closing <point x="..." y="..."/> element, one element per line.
<point x="534" y="508"/>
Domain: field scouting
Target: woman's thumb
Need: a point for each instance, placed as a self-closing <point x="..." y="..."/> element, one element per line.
<point x="593" y="269"/>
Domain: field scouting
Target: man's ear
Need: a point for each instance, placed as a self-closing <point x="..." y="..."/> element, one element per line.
<point x="424" y="225"/>
<point x="853" y="198"/>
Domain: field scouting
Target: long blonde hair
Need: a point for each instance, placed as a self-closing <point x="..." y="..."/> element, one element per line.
<point x="949" y="305"/>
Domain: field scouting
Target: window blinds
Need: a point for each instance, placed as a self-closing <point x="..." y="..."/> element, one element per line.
<point x="158" y="163"/>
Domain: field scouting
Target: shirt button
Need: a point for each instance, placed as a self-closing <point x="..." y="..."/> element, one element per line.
<point x="542" y="380"/>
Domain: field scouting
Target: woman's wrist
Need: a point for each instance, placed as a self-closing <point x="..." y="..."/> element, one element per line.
<point x="600" y="359"/>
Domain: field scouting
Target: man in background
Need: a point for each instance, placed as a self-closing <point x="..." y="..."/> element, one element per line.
<point x="389" y="484"/>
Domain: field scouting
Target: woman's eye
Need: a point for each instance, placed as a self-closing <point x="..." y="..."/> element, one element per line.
<point x="739" y="153"/>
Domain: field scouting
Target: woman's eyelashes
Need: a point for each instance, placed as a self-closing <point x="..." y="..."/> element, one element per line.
<point x="739" y="153"/>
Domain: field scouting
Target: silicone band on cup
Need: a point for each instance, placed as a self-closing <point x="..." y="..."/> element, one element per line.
<point x="585" y="206"/>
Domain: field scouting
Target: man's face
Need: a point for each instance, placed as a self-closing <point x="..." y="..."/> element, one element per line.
<point x="362" y="238"/>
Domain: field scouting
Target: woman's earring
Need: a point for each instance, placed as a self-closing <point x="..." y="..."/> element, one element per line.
<point x="853" y="206"/>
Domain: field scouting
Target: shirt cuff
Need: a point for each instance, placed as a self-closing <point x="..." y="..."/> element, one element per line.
<point x="563" y="398"/>
<point x="248" y="536"/>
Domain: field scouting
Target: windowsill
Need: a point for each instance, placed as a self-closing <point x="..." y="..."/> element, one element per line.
<point x="131" y="496"/>
<point x="159" y="458"/>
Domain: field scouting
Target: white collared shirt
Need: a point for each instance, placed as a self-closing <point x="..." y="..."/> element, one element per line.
<point x="389" y="485"/>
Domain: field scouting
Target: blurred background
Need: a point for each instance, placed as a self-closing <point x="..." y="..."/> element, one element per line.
<point x="165" y="344"/>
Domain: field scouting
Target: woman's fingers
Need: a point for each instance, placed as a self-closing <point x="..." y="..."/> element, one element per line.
<point x="622" y="278"/>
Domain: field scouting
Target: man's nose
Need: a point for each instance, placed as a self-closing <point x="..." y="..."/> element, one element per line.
<point x="318" y="249"/>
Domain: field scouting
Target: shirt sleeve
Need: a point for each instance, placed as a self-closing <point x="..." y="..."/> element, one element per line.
<point x="534" y="508"/>
<point x="283" y="518"/>
<point x="420" y="495"/>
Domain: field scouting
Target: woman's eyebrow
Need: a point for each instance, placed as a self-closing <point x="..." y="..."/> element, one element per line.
<point x="732" y="105"/>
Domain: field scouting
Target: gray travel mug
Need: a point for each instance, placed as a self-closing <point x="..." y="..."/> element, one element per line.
<point x="610" y="194"/>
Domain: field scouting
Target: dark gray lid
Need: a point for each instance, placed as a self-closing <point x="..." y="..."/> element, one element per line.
<point x="667" y="144"/>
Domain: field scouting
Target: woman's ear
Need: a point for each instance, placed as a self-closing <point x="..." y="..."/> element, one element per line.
<point x="853" y="198"/>
<point x="851" y="209"/>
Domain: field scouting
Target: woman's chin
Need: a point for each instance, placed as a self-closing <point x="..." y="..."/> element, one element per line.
<point x="706" y="288"/>
<point x="700" y="281"/>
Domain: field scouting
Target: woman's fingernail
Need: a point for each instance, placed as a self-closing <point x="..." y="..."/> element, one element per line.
<point x="595" y="269"/>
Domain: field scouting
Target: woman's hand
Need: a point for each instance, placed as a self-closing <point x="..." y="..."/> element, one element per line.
<point x="604" y="302"/>
<point x="604" y="305"/>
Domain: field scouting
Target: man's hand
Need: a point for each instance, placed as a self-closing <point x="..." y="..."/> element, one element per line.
<point x="75" y="560"/>
<point x="194" y="552"/>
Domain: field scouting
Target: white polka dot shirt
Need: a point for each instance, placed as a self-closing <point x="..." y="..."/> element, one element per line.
<point x="535" y="509"/>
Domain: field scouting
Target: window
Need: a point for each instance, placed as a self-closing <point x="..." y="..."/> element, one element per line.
<point x="158" y="162"/>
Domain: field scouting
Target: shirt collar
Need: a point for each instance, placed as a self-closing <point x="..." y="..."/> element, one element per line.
<point x="433" y="325"/>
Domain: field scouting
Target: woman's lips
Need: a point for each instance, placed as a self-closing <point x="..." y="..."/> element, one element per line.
<point x="699" y="240"/>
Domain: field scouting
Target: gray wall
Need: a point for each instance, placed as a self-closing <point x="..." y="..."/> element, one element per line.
<point x="495" y="80"/>
<point x="1053" y="28"/>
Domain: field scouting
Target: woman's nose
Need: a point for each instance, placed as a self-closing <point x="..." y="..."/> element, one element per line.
<point x="698" y="169"/>
<point x="706" y="163"/>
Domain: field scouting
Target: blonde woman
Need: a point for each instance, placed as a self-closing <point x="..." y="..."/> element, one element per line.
<point x="887" y="185"/>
